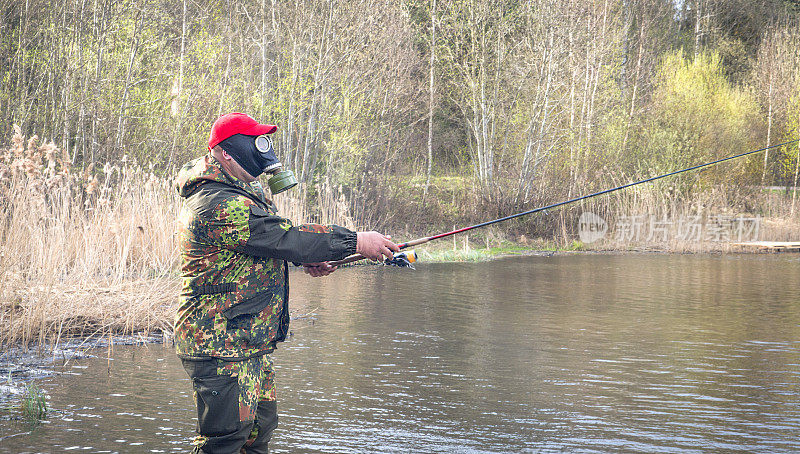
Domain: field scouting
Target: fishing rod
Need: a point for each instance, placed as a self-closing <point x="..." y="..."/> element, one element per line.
<point x="405" y="260"/>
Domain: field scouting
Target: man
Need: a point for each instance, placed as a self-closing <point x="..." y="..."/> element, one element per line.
<point x="233" y="307"/>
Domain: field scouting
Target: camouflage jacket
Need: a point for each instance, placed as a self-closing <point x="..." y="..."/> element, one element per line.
<point x="234" y="248"/>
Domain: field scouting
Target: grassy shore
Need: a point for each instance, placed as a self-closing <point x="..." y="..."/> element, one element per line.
<point x="93" y="251"/>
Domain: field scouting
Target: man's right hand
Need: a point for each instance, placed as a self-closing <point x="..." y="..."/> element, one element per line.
<point x="375" y="246"/>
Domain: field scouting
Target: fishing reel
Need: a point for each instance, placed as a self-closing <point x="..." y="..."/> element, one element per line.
<point x="402" y="259"/>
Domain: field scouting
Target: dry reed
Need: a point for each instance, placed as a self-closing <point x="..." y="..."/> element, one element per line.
<point x="82" y="253"/>
<point x="94" y="252"/>
<point x="712" y="220"/>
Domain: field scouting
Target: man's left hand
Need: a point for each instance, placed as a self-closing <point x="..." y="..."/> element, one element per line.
<point x="319" y="269"/>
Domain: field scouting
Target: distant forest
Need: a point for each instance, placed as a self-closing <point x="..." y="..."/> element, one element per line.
<point x="419" y="112"/>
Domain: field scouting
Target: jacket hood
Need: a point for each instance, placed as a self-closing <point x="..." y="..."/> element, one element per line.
<point x="202" y="170"/>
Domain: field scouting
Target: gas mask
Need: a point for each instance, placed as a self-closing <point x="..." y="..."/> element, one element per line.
<point x="256" y="155"/>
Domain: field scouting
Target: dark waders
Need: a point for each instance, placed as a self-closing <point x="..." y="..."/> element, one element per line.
<point x="226" y="424"/>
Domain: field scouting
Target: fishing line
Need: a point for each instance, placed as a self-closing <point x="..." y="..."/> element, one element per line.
<point x="404" y="258"/>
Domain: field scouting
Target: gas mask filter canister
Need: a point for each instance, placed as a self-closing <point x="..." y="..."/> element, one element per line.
<point x="281" y="180"/>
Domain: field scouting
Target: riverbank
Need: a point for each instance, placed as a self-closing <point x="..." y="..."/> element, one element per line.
<point x="61" y="312"/>
<point x="93" y="252"/>
<point x="465" y="250"/>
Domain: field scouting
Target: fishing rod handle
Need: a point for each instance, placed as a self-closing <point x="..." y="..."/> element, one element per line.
<point x="357" y="257"/>
<point x="348" y="259"/>
<point x="414" y="242"/>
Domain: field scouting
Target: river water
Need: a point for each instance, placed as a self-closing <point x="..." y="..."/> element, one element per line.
<point x="575" y="353"/>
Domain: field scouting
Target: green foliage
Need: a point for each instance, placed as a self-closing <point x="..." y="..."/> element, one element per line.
<point x="33" y="407"/>
<point x="533" y="101"/>
<point x="347" y="155"/>
<point x="575" y="245"/>
<point x="697" y="116"/>
<point x="456" y="255"/>
<point x="616" y="126"/>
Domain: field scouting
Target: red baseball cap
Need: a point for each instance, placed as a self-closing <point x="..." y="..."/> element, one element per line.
<point x="236" y="123"/>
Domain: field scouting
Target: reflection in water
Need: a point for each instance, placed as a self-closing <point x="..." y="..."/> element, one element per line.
<point x="590" y="352"/>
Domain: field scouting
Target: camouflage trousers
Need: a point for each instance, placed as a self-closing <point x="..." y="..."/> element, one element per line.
<point x="236" y="404"/>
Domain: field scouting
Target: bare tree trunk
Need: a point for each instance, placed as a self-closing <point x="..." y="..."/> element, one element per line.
<point x="67" y="81"/>
<point x="572" y="83"/>
<point x="274" y="22"/>
<point x="179" y="113"/>
<point x="223" y="88"/>
<point x="263" y="86"/>
<point x="102" y="27"/>
<point x="289" y="133"/>
<point x="81" y="129"/>
<point x="531" y="160"/>
<point x="51" y="104"/>
<point x="20" y="90"/>
<point x="298" y="155"/>
<point x="128" y="73"/>
<point x="311" y="127"/>
<point x="769" y="126"/>
<point x="485" y="116"/>
<point x="698" y="30"/>
<point x="430" y="102"/>
<point x="312" y="160"/>
<point x="310" y="143"/>
<point x="581" y="174"/>
<point x="499" y="49"/>
<point x="481" y="118"/>
<point x="635" y="89"/>
<point x="599" y="53"/>
<point x="796" y="173"/>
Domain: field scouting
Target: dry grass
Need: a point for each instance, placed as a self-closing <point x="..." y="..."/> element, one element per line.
<point x="88" y="252"/>
<point x="723" y="208"/>
<point x="82" y="252"/>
